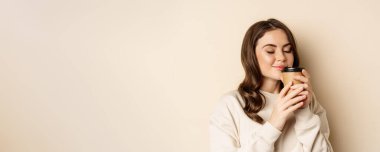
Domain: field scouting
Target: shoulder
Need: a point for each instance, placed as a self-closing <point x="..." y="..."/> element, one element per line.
<point x="229" y="103"/>
<point x="231" y="99"/>
<point x="316" y="107"/>
<point x="227" y="113"/>
<point x="225" y="120"/>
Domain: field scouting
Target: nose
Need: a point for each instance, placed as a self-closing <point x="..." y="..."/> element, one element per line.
<point x="280" y="56"/>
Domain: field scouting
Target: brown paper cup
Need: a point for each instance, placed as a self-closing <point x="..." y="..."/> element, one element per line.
<point x="288" y="75"/>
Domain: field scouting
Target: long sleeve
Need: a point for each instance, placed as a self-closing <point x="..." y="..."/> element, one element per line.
<point x="312" y="128"/>
<point x="223" y="131"/>
<point x="225" y="127"/>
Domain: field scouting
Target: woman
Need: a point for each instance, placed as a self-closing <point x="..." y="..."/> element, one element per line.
<point x="264" y="115"/>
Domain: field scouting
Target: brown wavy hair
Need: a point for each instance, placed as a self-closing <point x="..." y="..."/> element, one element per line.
<point x="249" y="88"/>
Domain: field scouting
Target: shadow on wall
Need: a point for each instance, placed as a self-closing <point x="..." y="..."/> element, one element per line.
<point x="324" y="93"/>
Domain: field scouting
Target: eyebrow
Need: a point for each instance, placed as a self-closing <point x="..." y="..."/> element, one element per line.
<point x="287" y="44"/>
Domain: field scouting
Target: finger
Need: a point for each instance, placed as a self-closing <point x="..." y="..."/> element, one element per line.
<point x="303" y="85"/>
<point x="285" y="90"/>
<point x="296" y="86"/>
<point x="295" y="107"/>
<point x="292" y="94"/>
<point x="293" y="101"/>
<point x="305" y="73"/>
<point x="304" y="93"/>
<point x="301" y="78"/>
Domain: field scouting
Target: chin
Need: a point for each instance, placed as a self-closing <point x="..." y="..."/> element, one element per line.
<point x="277" y="76"/>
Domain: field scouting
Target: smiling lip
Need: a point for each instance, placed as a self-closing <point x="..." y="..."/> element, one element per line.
<point x="279" y="67"/>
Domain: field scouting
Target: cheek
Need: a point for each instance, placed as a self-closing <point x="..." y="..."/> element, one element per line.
<point x="290" y="60"/>
<point x="266" y="60"/>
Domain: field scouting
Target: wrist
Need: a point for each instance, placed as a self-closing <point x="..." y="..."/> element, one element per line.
<point x="303" y="114"/>
<point x="276" y="124"/>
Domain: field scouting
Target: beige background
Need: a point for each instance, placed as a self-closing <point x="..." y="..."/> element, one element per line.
<point x="143" y="76"/>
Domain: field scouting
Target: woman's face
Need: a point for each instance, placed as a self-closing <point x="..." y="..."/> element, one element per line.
<point x="274" y="53"/>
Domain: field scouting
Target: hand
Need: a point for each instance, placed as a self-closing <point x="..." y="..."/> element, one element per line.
<point x="308" y="91"/>
<point x="286" y="103"/>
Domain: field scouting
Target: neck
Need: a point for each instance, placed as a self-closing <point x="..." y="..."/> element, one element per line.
<point x="271" y="85"/>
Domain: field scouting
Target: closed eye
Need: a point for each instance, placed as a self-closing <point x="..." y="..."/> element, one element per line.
<point x="288" y="49"/>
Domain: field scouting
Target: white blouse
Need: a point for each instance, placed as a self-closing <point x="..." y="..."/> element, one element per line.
<point x="231" y="130"/>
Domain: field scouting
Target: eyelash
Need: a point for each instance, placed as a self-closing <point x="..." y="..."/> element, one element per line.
<point x="271" y="52"/>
